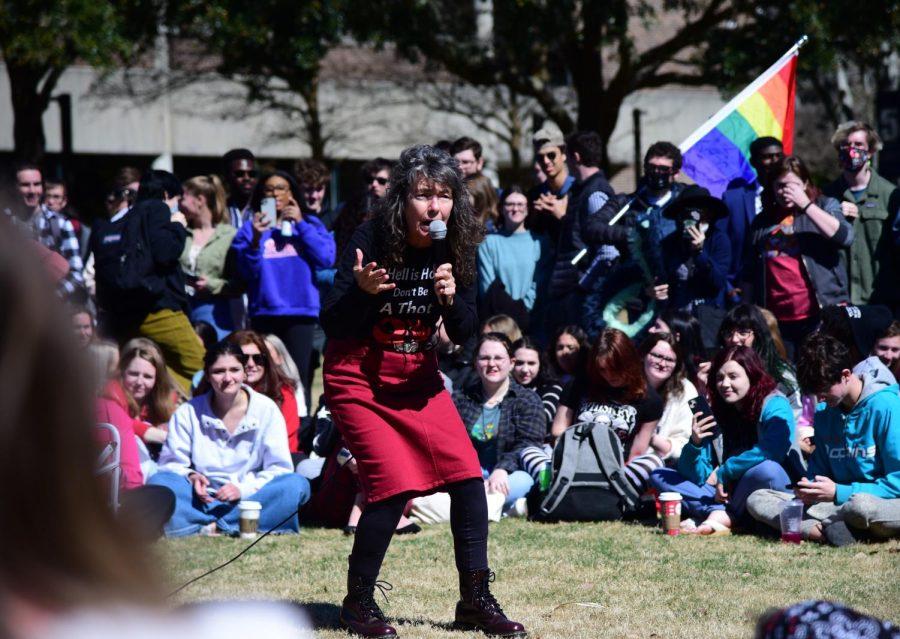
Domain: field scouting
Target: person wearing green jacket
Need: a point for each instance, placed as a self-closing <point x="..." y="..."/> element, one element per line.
<point x="206" y="260"/>
<point x="852" y="485"/>
<point x="870" y="203"/>
<point x="738" y="449"/>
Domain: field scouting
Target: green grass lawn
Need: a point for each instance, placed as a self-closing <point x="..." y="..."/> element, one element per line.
<point x="639" y="583"/>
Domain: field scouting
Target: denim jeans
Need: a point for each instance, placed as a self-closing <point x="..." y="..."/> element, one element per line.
<point x="279" y="498"/>
<point x="520" y="483"/>
<point x="699" y="501"/>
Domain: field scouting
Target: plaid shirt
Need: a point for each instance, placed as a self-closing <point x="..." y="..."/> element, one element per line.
<point x="522" y="420"/>
<point x="65" y="243"/>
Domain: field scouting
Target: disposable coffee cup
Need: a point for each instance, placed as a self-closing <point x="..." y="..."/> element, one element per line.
<point x="670" y="507"/>
<point x="791" y="517"/>
<point x="249" y="518"/>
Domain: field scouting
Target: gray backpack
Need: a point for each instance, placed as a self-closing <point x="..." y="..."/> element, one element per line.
<point x="588" y="479"/>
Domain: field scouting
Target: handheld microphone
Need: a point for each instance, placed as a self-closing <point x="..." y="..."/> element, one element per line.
<point x="437" y="230"/>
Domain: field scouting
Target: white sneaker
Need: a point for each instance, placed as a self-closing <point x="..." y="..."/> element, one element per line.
<point x="518" y="509"/>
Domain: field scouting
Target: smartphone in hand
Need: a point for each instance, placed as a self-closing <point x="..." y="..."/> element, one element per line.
<point x="700" y="405"/>
<point x="267" y="206"/>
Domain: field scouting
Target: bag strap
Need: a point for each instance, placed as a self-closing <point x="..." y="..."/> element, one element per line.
<point x="609" y="454"/>
<point x="571" y="443"/>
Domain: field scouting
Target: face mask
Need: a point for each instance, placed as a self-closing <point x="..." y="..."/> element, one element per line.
<point x="658" y="180"/>
<point x="852" y="159"/>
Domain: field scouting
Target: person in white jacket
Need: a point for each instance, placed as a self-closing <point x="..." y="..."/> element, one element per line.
<point x="226" y="445"/>
<point x="664" y="369"/>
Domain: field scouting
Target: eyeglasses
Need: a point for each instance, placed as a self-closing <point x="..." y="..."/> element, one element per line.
<point x="244" y="174"/>
<point x="662" y="358"/>
<point x="381" y="180"/>
<point x="278" y="188"/>
<point x="658" y="169"/>
<point x="550" y="155"/>
<point x="859" y="146"/>
<point x="259" y="359"/>
<point x="515" y="205"/>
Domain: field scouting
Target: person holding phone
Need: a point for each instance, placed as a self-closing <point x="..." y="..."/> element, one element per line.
<point x="385" y="392"/>
<point x="279" y="259"/>
<point x="736" y="449"/>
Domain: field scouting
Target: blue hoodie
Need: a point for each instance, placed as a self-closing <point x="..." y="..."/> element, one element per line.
<point x="860" y="450"/>
<point x="281" y="273"/>
<point x="776" y="435"/>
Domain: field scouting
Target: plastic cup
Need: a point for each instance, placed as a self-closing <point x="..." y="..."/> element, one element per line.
<point x="670" y="507"/>
<point x="250" y="511"/>
<point x="791" y="516"/>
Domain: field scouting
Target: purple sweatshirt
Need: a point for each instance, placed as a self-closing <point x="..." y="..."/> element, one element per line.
<point x="280" y="274"/>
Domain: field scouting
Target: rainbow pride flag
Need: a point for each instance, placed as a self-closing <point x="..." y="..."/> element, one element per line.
<point x="719" y="151"/>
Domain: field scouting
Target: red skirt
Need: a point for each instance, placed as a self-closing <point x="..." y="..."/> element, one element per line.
<point x="397" y="419"/>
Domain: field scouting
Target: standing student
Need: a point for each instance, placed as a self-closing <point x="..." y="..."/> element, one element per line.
<point x="384" y="390"/>
<point x="279" y="263"/>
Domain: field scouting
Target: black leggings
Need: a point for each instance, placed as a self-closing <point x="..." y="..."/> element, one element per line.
<point x="468" y="521"/>
<point x="297" y="335"/>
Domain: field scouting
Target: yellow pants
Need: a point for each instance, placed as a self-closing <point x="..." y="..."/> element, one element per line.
<point x="179" y="343"/>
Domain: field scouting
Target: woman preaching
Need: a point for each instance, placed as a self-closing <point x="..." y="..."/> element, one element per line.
<point x="385" y="392"/>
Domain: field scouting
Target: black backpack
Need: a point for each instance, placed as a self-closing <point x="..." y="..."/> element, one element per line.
<point x="588" y="479"/>
<point x="125" y="271"/>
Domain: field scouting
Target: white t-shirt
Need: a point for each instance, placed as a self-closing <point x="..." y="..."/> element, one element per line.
<point x="675" y="423"/>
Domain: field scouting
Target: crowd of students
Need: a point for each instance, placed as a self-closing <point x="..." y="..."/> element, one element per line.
<point x="775" y="304"/>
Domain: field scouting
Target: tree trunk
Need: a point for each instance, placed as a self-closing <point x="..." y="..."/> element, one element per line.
<point x="596" y="108"/>
<point x="315" y="135"/>
<point x="29" y="101"/>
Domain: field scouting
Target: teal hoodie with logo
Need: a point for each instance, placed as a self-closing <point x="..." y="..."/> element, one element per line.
<point x="860" y="449"/>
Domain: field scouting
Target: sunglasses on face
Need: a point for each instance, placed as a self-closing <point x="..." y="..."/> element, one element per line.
<point x="259" y="359"/>
<point x="244" y="174"/>
<point x="550" y="155"/>
<point x="381" y="180"/>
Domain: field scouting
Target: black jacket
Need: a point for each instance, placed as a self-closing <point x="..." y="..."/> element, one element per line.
<point x="148" y="222"/>
<point x="582" y="228"/>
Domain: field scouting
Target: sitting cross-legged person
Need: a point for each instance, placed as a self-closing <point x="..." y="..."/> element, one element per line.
<point x="227" y="444"/>
<point x="852" y="487"/>
<point x="737" y="450"/>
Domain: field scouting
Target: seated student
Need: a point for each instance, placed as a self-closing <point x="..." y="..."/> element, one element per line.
<point x="502" y="324"/>
<point x="744" y="325"/>
<point x="852" y="487"/>
<point x="664" y="371"/>
<point x="530" y="371"/>
<point x="145" y="390"/>
<point x="857" y="327"/>
<point x="686" y="330"/>
<point x="887" y="348"/>
<point x="225" y="445"/>
<point x="502" y="418"/>
<point x="612" y="390"/>
<point x="265" y="378"/>
<point x="735" y="452"/>
<point x="565" y="352"/>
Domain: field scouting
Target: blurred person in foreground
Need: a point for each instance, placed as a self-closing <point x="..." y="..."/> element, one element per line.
<point x="90" y="577"/>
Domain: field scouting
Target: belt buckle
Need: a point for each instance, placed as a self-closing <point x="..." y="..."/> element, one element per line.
<point x="407" y="347"/>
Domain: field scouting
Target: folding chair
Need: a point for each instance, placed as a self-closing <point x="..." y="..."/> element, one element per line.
<point x="110" y="461"/>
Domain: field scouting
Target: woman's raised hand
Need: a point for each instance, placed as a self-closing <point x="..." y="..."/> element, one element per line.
<point x="291" y="211"/>
<point x="702" y="428"/>
<point x="370" y="278"/>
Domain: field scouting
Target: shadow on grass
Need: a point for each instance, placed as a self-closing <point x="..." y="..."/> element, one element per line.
<point x="326" y="616"/>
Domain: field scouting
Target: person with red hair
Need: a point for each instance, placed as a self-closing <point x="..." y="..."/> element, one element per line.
<point x="738" y="449"/>
<point x="612" y="390"/>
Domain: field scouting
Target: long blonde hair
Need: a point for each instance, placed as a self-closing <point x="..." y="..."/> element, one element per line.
<point x="160" y="404"/>
<point x="210" y="187"/>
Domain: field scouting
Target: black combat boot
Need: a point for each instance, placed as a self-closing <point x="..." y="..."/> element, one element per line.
<point x="478" y="610"/>
<point x="360" y="613"/>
